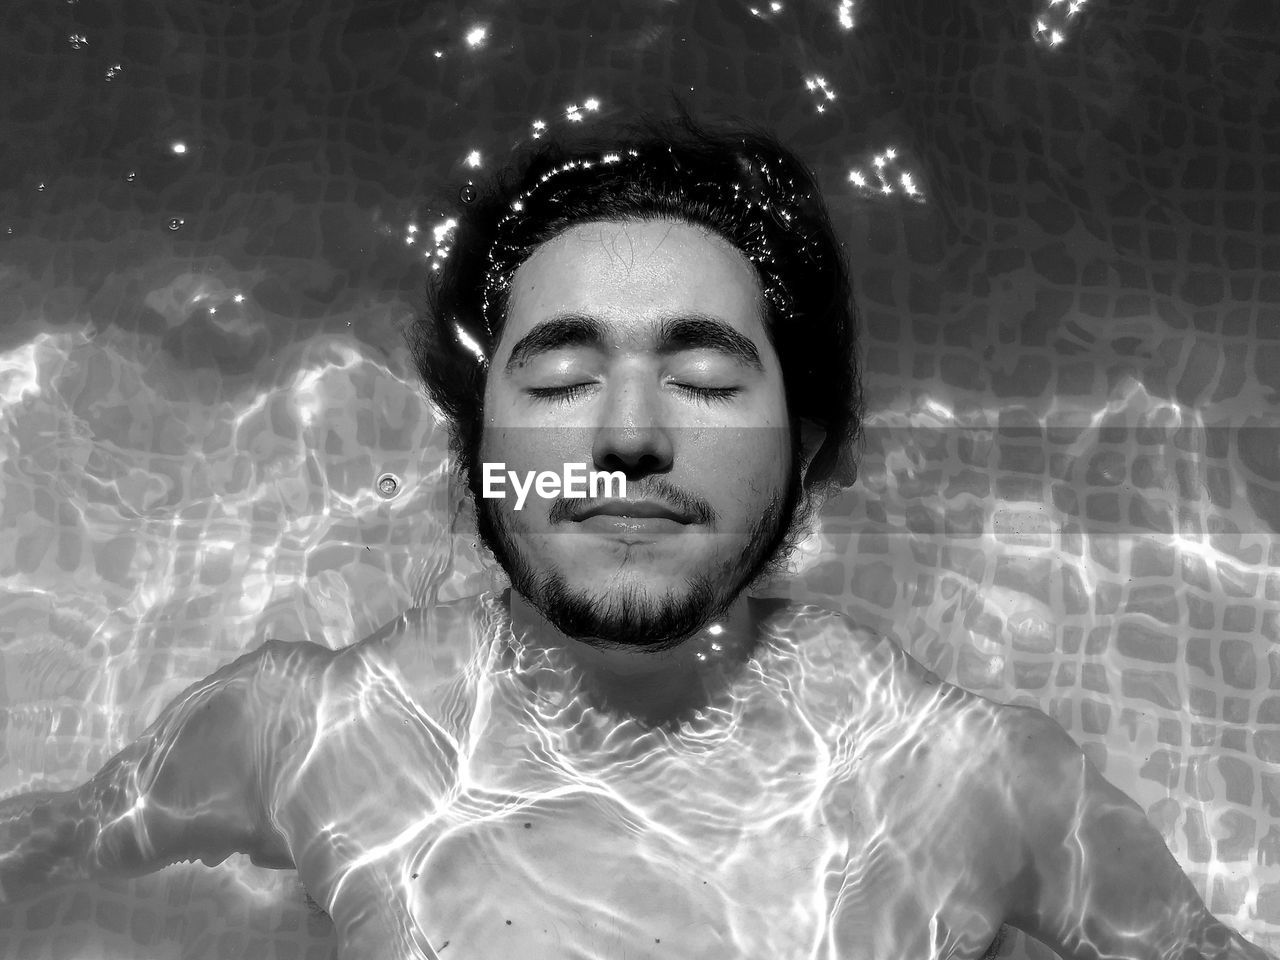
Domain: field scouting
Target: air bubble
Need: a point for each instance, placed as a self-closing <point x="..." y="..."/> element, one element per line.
<point x="467" y="193"/>
<point x="176" y="223"/>
<point x="388" y="485"/>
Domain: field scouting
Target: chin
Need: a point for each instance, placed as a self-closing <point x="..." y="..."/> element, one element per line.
<point x="649" y="594"/>
<point x="607" y="580"/>
<point x="640" y="567"/>
<point x="629" y="608"/>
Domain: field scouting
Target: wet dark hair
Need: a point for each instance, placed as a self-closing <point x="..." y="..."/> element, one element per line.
<point x="736" y="181"/>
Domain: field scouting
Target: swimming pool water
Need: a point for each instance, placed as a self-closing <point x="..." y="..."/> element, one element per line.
<point x="1064" y="227"/>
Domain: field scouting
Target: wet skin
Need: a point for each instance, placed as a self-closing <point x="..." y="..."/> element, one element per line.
<point x="796" y="814"/>
<point x="828" y="797"/>
<point x="638" y="348"/>
<point x="449" y="774"/>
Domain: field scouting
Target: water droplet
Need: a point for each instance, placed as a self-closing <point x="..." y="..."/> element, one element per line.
<point x="388" y="484"/>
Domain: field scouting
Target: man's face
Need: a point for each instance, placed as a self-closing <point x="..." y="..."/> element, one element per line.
<point x="638" y="347"/>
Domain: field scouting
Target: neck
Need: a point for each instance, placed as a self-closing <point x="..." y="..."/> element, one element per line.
<point x="651" y="685"/>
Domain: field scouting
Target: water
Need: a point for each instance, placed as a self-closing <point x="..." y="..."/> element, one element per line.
<point x="214" y="219"/>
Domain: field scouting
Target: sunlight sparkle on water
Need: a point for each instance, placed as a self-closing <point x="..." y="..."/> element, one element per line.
<point x="888" y="180"/>
<point x="440" y="235"/>
<point x="19" y="372"/>
<point x="1050" y="25"/>
<point x="819" y="86"/>
<point x="939" y="409"/>
<point x="465" y="339"/>
<point x="307" y="391"/>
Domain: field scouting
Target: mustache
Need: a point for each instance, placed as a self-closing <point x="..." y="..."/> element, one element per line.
<point x="651" y="488"/>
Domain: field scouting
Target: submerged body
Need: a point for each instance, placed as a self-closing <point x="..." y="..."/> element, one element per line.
<point x="440" y="789"/>
<point x="446" y="789"/>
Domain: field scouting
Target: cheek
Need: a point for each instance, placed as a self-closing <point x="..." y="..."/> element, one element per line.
<point x="513" y="447"/>
<point x="493" y="445"/>
<point x="754" y="461"/>
<point x="778" y="465"/>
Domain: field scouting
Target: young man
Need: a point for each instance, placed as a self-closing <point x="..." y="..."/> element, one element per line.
<point x="626" y="754"/>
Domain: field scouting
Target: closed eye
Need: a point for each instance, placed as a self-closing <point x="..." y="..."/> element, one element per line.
<point x="571" y="392"/>
<point x="708" y="394"/>
<point x="558" y="394"/>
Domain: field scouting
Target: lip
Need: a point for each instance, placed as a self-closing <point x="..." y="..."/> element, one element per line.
<point x="634" y="510"/>
<point x="628" y="527"/>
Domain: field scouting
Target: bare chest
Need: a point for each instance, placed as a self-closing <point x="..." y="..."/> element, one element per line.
<point x="767" y="832"/>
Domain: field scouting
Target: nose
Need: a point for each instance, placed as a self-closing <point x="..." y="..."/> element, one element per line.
<point x="631" y="436"/>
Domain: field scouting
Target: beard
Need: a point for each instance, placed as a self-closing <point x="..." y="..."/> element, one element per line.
<point x="631" y="615"/>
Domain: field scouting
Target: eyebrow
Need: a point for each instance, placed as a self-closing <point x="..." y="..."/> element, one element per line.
<point x="695" y="331"/>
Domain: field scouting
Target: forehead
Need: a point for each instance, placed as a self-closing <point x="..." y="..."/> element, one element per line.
<point x="628" y="274"/>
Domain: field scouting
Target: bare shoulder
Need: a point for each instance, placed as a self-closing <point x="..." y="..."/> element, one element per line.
<point x="420" y="647"/>
<point x="935" y="753"/>
<point x="1047" y="776"/>
<point x="270" y="693"/>
<point x="286" y="659"/>
<point x="855" y="652"/>
<point x="239" y="690"/>
<point x="890" y="695"/>
<point x="1032" y="773"/>
<point x="273" y="683"/>
<point x="426" y="644"/>
<point x="1038" y="755"/>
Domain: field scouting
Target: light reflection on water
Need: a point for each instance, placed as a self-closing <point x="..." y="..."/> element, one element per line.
<point x="155" y="536"/>
<point x="170" y="498"/>
<point x="830" y="796"/>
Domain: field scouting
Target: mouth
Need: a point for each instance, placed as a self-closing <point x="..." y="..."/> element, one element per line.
<point x="633" y="510"/>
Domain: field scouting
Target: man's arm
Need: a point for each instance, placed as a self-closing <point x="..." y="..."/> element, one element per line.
<point x="189" y="788"/>
<point x="1101" y="882"/>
